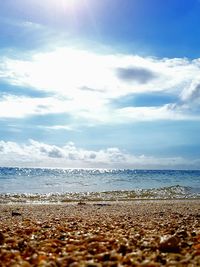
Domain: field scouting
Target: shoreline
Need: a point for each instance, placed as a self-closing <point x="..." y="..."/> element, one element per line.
<point x="104" y="233"/>
<point x="119" y="202"/>
<point x="106" y="201"/>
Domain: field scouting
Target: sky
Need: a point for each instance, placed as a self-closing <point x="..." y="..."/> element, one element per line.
<point x="100" y="84"/>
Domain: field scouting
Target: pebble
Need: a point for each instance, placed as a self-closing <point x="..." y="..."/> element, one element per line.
<point x="2" y="238"/>
<point x="169" y="244"/>
<point x="122" y="234"/>
<point x="15" y="213"/>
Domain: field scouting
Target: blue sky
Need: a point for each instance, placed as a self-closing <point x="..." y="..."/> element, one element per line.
<point x="110" y="83"/>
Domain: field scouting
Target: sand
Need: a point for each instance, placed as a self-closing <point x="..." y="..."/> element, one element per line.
<point x="134" y="233"/>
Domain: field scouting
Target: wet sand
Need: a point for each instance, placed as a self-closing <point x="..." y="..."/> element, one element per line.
<point x="134" y="233"/>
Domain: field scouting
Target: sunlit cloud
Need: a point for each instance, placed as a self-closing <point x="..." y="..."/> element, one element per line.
<point x="59" y="127"/>
<point x="84" y="84"/>
<point x="38" y="154"/>
<point x="20" y="107"/>
<point x="192" y="92"/>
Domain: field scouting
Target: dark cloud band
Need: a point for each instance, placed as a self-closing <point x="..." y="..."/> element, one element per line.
<point x="135" y="74"/>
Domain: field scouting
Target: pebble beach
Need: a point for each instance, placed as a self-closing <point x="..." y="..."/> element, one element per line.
<point x="133" y="233"/>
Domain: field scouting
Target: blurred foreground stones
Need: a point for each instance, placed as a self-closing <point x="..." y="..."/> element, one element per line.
<point x="137" y="233"/>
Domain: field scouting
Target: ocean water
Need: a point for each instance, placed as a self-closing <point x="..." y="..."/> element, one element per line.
<point x="62" y="185"/>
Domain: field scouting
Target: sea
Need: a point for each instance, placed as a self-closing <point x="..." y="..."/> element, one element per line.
<point x="43" y="185"/>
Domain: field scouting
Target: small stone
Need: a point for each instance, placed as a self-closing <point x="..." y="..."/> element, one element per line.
<point x="106" y="257"/>
<point x="92" y="264"/>
<point x="182" y="233"/>
<point x="169" y="244"/>
<point x="74" y="264"/>
<point x="22" y="245"/>
<point x="81" y="203"/>
<point x="161" y="259"/>
<point x="123" y="249"/>
<point x="193" y="233"/>
<point x="2" y="238"/>
<point x="46" y="226"/>
<point x="15" y="213"/>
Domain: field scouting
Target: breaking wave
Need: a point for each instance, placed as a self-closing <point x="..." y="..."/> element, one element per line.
<point x="171" y="192"/>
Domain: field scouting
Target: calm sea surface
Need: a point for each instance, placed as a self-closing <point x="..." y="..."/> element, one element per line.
<point x="96" y="184"/>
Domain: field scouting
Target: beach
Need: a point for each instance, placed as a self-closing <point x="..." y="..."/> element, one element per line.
<point x="118" y="233"/>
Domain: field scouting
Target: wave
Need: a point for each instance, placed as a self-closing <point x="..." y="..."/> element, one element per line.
<point x="171" y="192"/>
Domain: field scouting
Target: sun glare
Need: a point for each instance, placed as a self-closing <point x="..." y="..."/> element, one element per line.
<point x="65" y="4"/>
<point x="69" y="3"/>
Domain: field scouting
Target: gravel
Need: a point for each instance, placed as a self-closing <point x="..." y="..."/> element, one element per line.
<point x="134" y="233"/>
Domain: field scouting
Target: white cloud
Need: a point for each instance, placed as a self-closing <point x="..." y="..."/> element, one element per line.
<point x="31" y="25"/>
<point x="19" y="107"/>
<point x="85" y="83"/>
<point x="192" y="93"/>
<point x="37" y="154"/>
<point x="59" y="127"/>
<point x="165" y="112"/>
